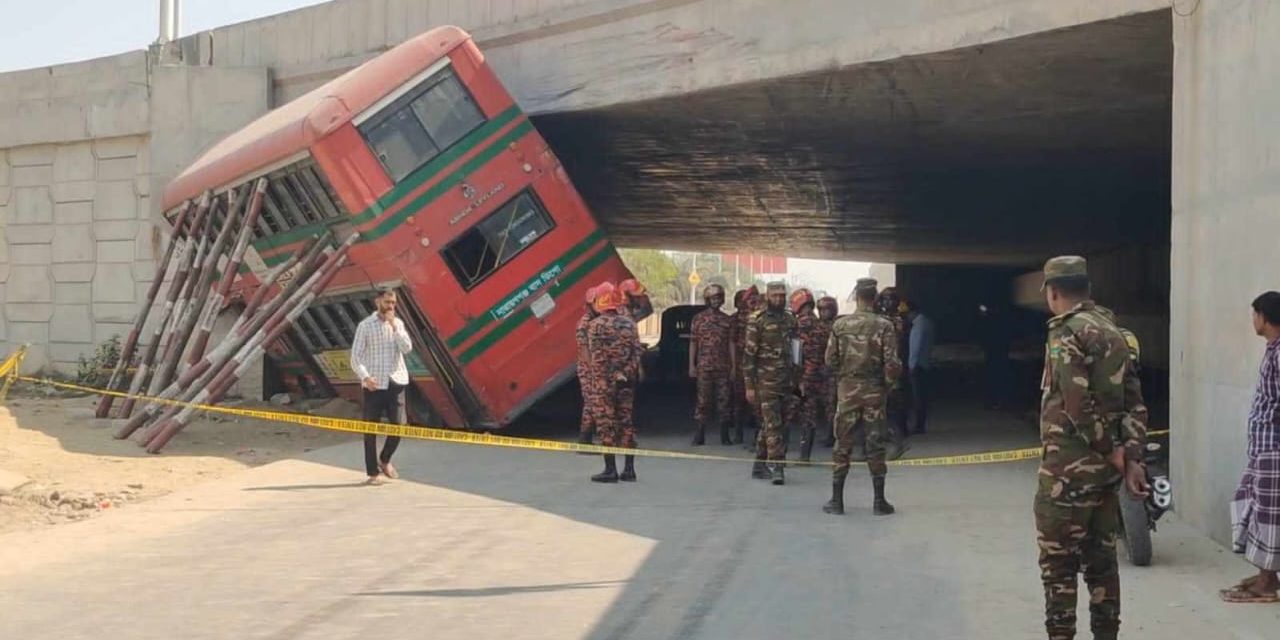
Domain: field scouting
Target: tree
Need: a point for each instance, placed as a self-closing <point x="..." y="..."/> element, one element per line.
<point x="659" y="274"/>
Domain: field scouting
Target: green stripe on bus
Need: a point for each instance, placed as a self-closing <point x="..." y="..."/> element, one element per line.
<point x="392" y="221"/>
<point x="518" y="318"/>
<point x="491" y="315"/>
<point x="411" y="182"/>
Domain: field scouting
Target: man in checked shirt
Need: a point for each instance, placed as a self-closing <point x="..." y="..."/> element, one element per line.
<point x="377" y="358"/>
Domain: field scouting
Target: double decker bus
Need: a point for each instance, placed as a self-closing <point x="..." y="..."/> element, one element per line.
<point x="461" y="207"/>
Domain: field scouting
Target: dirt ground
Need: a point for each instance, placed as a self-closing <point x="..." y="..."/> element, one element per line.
<point x="77" y="469"/>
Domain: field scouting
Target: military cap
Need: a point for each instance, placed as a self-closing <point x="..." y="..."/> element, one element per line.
<point x="777" y="286"/>
<point x="866" y="283"/>
<point x="1064" y="267"/>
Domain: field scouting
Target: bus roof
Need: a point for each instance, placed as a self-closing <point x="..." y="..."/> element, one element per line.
<point x="294" y="126"/>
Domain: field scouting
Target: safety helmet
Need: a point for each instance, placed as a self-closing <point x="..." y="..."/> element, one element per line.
<point x="827" y="302"/>
<point x="608" y="297"/>
<point x="632" y="287"/>
<point x="711" y="291"/>
<point x="887" y="301"/>
<point x="799" y="298"/>
<point x="740" y="299"/>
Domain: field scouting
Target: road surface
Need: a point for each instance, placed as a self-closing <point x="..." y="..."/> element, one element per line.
<point x="480" y="542"/>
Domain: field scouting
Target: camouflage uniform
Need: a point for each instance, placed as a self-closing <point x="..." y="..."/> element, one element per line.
<point x="1076" y="505"/>
<point x="863" y="355"/>
<point x="896" y="407"/>
<point x="711" y="331"/>
<point x="614" y="348"/>
<point x="815" y="378"/>
<point x="828" y="425"/>
<point x="770" y="375"/>
<point x="590" y="395"/>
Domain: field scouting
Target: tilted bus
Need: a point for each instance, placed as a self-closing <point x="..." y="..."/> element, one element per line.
<point x="461" y="206"/>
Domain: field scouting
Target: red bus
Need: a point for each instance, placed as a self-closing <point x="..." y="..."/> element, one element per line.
<point x="461" y="206"/>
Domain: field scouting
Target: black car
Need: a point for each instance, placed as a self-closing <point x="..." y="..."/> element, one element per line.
<point x="673" y="342"/>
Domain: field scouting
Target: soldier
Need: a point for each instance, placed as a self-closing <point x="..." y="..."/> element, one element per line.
<point x="745" y="302"/>
<point x="590" y="399"/>
<point x="863" y="355"/>
<point x="814" y="378"/>
<point x="638" y="306"/>
<point x="614" y="348"/>
<point x="889" y="304"/>
<point x="828" y="308"/>
<point x="1086" y="454"/>
<point x="769" y="370"/>
<point x="709" y="363"/>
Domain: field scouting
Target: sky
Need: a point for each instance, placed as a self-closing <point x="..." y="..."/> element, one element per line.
<point x="38" y="34"/>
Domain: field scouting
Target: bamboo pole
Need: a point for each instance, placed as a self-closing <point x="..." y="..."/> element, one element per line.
<point x="131" y="343"/>
<point x="164" y="430"/>
<point x="186" y="259"/>
<point x="196" y="301"/>
<point x="250" y="324"/>
<point x="214" y="306"/>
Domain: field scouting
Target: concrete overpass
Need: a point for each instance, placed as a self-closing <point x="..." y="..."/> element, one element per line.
<point x="990" y="132"/>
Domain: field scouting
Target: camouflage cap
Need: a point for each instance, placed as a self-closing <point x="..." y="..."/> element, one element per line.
<point x="865" y="283"/>
<point x="777" y="286"/>
<point x="1064" y="267"/>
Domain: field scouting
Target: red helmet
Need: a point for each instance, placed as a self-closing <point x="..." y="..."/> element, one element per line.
<point x="827" y="302"/>
<point x="799" y="298"/>
<point x="591" y="296"/>
<point x="608" y="297"/>
<point x="632" y="287"/>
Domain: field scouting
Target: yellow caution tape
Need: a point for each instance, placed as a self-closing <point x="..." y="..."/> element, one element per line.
<point x="468" y="437"/>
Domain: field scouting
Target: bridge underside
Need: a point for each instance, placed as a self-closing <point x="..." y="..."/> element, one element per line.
<point x="996" y="154"/>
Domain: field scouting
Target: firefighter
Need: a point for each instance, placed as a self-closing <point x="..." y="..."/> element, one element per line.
<point x="613" y="346"/>
<point x="745" y="302"/>
<point x="709" y="364"/>
<point x="828" y="309"/>
<point x="590" y="398"/>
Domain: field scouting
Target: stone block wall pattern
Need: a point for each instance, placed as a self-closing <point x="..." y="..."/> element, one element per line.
<point x="71" y="222"/>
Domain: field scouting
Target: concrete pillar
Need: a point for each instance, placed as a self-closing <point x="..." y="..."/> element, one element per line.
<point x="1226" y="216"/>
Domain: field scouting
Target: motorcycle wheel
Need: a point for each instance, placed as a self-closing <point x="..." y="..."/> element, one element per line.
<point x="1137" y="530"/>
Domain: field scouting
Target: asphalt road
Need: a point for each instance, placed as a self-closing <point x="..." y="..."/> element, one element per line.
<point x="478" y="542"/>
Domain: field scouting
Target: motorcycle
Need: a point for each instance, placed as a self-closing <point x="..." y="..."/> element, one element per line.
<point x="1138" y="516"/>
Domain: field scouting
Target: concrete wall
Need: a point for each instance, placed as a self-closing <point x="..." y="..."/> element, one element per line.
<point x="1226" y="218"/>
<point x="78" y="228"/>
<point x="560" y="55"/>
<point x="77" y="244"/>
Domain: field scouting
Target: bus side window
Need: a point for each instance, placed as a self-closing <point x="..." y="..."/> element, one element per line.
<point x="422" y="124"/>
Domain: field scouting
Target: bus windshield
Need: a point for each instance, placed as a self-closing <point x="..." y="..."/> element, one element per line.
<point x="421" y="124"/>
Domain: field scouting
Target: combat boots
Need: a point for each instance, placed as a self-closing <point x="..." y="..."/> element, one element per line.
<point x="724" y="434"/>
<point x="806" y="444"/>
<point x="758" y="470"/>
<point x="881" y="507"/>
<point x="628" y="469"/>
<point x="700" y="436"/>
<point x="835" y="505"/>
<point x="610" y="473"/>
<point x="778" y="474"/>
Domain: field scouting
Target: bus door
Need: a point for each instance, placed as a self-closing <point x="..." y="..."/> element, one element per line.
<point x="450" y="381"/>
